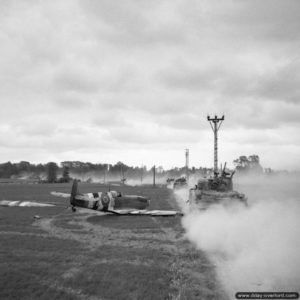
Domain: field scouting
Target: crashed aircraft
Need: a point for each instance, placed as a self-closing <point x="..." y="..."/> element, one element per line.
<point x="113" y="202"/>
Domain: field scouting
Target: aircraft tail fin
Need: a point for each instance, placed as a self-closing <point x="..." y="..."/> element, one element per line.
<point x="74" y="192"/>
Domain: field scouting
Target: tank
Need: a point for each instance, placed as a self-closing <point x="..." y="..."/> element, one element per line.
<point x="216" y="190"/>
<point x="180" y="182"/>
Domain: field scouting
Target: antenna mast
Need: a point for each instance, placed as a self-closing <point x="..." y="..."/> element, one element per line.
<point x="215" y="126"/>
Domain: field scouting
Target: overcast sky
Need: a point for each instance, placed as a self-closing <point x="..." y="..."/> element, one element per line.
<point x="133" y="81"/>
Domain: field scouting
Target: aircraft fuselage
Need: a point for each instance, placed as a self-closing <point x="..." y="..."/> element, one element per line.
<point x="104" y="201"/>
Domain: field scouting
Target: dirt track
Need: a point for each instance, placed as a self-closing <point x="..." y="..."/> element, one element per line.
<point x="85" y="228"/>
<point x="93" y="231"/>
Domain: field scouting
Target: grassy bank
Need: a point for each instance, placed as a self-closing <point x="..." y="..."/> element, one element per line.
<point x="65" y="255"/>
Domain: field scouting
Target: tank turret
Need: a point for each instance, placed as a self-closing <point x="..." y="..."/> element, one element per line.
<point x="215" y="190"/>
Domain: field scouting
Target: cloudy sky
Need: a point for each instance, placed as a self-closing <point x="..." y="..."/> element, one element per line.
<point x="133" y="80"/>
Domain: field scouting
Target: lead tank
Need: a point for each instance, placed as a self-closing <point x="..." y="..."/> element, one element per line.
<point x="216" y="190"/>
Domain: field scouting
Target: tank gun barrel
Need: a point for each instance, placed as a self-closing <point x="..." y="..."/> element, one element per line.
<point x="224" y="167"/>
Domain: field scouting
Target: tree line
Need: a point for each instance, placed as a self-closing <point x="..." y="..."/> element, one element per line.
<point x="66" y="170"/>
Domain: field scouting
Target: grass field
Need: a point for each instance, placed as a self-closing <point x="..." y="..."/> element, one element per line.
<point x="82" y="255"/>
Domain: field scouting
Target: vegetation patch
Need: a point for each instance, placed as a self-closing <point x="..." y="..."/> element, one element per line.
<point x="65" y="255"/>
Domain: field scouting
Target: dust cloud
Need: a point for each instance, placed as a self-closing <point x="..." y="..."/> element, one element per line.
<point x="145" y="181"/>
<point x="254" y="248"/>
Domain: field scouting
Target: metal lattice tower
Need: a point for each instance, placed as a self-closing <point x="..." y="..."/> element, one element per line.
<point x="142" y="174"/>
<point x="187" y="155"/>
<point x="215" y="126"/>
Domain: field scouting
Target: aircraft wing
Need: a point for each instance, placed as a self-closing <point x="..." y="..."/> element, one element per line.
<point x="143" y="212"/>
<point x="59" y="194"/>
<point x="24" y="204"/>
